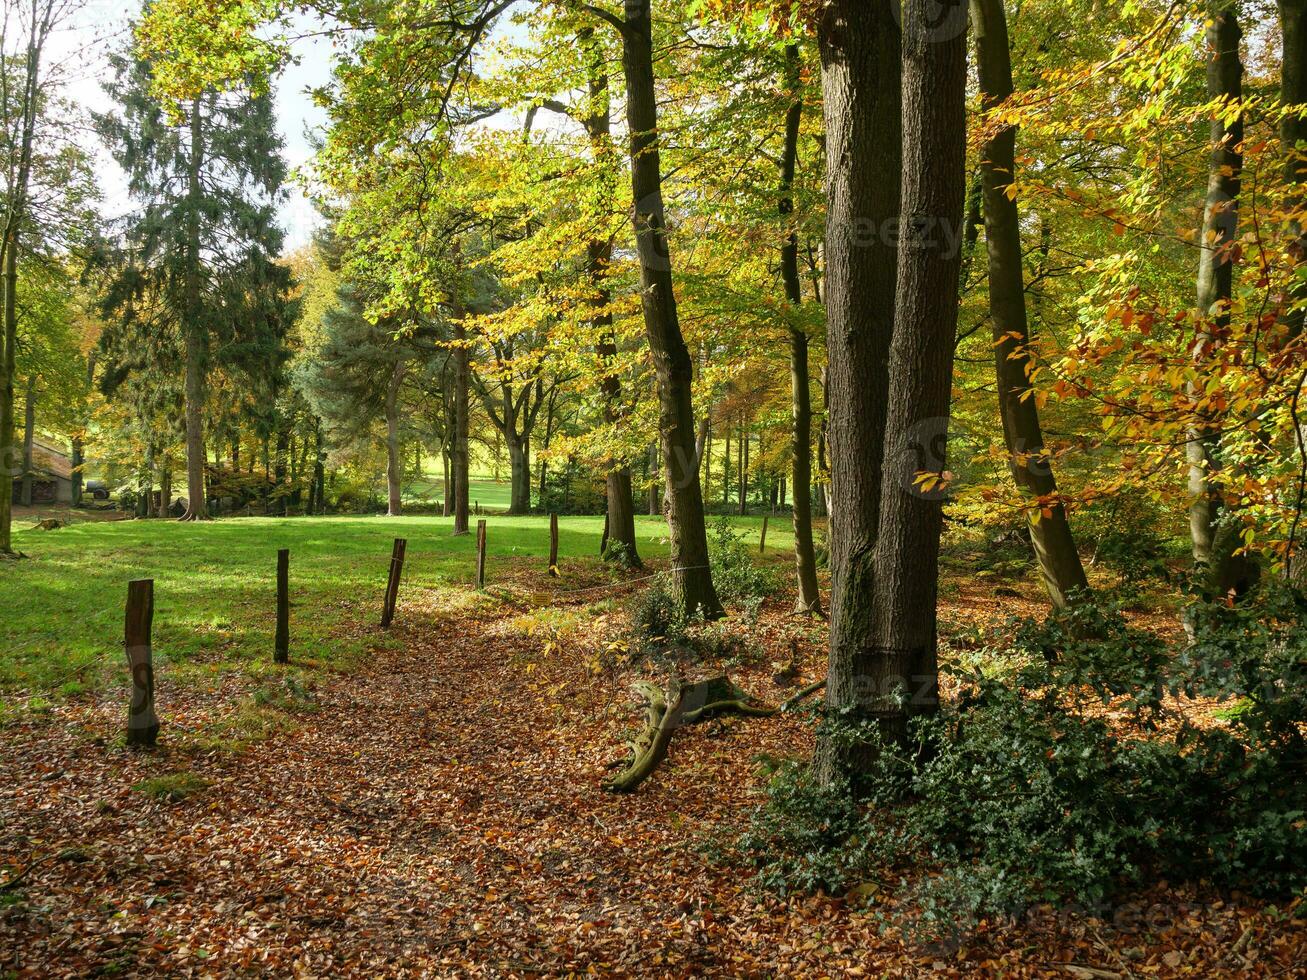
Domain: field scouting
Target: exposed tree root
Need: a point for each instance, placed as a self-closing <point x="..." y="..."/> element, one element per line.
<point x="802" y="693"/>
<point x="667" y="711"/>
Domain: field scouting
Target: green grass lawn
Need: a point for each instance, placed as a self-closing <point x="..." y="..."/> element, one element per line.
<point x="491" y="495"/>
<point x="214" y="587"/>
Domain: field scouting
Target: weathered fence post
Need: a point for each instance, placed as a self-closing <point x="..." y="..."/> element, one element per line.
<point x="481" y="554"/>
<point x="762" y="541"/>
<point x="553" y="545"/>
<point x="392" y="585"/>
<point x="281" y="654"/>
<point x="142" y="722"/>
<point x="476" y="507"/>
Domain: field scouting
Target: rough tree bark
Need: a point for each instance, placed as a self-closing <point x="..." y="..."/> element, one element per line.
<point x="675" y="371"/>
<point x="805" y="557"/>
<point x="1214" y="539"/>
<point x="902" y="670"/>
<point x="1032" y="471"/>
<point x="859" y="45"/>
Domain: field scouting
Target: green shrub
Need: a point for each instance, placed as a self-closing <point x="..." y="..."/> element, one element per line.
<point x="657" y="615"/>
<point x="734" y="573"/>
<point x="1016" y="793"/>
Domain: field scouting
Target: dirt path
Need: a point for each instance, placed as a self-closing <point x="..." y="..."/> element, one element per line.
<point x="438" y="814"/>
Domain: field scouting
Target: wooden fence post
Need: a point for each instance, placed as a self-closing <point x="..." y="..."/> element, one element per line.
<point x="392" y="585"/>
<point x="142" y="722"/>
<point x="762" y="541"/>
<point x="476" y="507"/>
<point x="281" y="654"/>
<point x="481" y="554"/>
<point x="553" y="545"/>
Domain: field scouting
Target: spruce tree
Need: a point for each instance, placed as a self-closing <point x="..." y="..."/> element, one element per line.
<point x="203" y="237"/>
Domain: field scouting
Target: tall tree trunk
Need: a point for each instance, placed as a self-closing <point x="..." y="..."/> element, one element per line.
<point x="29" y="436"/>
<point x="519" y="461"/>
<point x="16" y="214"/>
<point x="165" y="485"/>
<point x="279" y="469"/>
<point x="805" y="555"/>
<point x="675" y="371"/>
<point x="1032" y="471"/>
<point x="654" y="498"/>
<point x="1215" y="539"/>
<point x="744" y="468"/>
<point x="462" y="382"/>
<point x="1293" y="133"/>
<point x="859" y="45"/>
<point x="319" y="472"/>
<point x="196" y="333"/>
<point x="904" y="672"/>
<point x="394" y="451"/>
<point x="726" y="469"/>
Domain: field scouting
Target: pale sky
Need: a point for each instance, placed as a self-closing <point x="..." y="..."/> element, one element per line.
<point x="101" y="26"/>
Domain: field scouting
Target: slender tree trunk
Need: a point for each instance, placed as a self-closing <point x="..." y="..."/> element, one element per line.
<point x="165" y="485"/>
<point x="706" y="463"/>
<point x="1214" y="539"/>
<point x="462" y="382"/>
<point x="655" y="499"/>
<point x="29" y="436"/>
<point x="744" y="468"/>
<point x="16" y="214"/>
<point x="1032" y="471"/>
<point x="800" y="380"/>
<point x="904" y="671"/>
<point x="394" y="451"/>
<point x="196" y="333"/>
<point x="675" y="371"/>
<point x="726" y="469"/>
<point x="319" y="472"/>
<point x="1293" y="134"/>
<point x="279" y="470"/>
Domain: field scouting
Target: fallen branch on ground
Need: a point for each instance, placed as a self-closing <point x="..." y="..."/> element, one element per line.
<point x="665" y="712"/>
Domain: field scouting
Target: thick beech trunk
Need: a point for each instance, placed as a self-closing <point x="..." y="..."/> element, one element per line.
<point x="902" y="670"/>
<point x="519" y="463"/>
<point x="859" y="45"/>
<point x="1215" y="539"/>
<point x="805" y="558"/>
<point x="1031" y="468"/>
<point x="672" y="364"/>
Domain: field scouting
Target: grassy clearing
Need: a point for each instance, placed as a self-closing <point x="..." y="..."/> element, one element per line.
<point x="215" y="591"/>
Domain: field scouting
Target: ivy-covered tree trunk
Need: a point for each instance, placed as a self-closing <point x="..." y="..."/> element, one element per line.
<point x="805" y="557"/>
<point x="1215" y="540"/>
<point x="902" y="672"/>
<point x="672" y="364"/>
<point x="859" y="45"/>
<point x="1032" y="470"/>
<point x="196" y="347"/>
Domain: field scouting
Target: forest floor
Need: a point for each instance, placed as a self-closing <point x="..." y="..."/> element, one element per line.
<point x="434" y="807"/>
